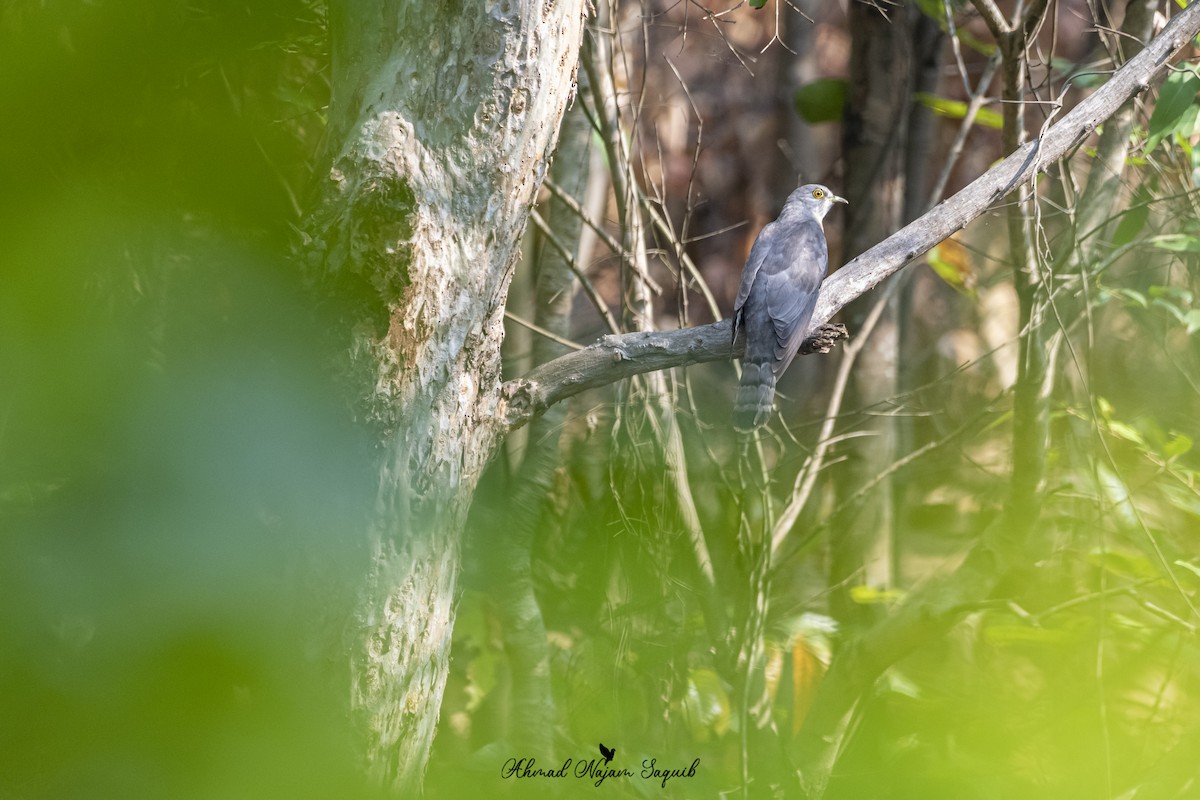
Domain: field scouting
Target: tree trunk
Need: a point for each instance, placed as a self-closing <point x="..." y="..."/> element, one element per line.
<point x="441" y="126"/>
<point x="875" y="146"/>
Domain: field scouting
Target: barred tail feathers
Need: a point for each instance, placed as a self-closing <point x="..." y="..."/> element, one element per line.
<point x="755" y="396"/>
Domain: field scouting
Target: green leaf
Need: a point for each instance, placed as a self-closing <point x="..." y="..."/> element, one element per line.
<point x="1113" y="487"/>
<point x="1177" y="242"/>
<point x="757" y="3"/>
<point x="1186" y="127"/>
<point x="1126" y="432"/>
<point x="1192" y="568"/>
<point x="1179" y="294"/>
<point x="1172" y="309"/>
<point x="952" y="262"/>
<point x="1191" y="320"/>
<point x="1132" y="222"/>
<point x="1174" y="108"/>
<point x="1131" y="297"/>
<point x="897" y="682"/>
<point x="821" y="100"/>
<point x="1178" y="444"/>
<point x="869" y="595"/>
<point x="956" y="109"/>
<point x="1125" y="564"/>
<point x="935" y="10"/>
<point x="706" y="704"/>
<point x="1182" y="497"/>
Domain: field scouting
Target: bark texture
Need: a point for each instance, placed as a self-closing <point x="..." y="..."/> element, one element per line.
<point x="442" y="125"/>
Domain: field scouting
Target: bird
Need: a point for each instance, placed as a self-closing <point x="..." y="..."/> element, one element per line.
<point x="776" y="298"/>
<point x="608" y="753"/>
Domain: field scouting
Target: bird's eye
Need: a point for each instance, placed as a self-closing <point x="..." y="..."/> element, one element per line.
<point x="818" y="193"/>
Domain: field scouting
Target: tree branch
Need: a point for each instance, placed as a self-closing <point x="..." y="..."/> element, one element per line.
<point x="617" y="357"/>
<point x="995" y="20"/>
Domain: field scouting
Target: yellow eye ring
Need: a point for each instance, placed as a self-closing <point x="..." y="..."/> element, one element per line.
<point x="818" y="193"/>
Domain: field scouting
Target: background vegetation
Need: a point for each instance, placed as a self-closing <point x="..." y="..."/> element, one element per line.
<point x="184" y="489"/>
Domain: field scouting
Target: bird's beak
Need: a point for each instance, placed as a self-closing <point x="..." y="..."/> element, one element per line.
<point x="837" y="199"/>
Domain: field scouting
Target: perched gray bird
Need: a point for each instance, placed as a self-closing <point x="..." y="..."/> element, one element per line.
<point x="776" y="299"/>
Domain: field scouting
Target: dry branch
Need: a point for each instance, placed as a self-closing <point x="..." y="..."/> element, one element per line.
<point x="617" y="357"/>
<point x="614" y="357"/>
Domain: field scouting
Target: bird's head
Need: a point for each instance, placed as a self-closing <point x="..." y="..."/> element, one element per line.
<point x="814" y="199"/>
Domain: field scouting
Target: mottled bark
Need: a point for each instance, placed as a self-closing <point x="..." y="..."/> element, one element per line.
<point x="442" y="123"/>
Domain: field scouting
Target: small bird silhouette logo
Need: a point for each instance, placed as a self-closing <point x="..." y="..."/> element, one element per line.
<point x="607" y="753"/>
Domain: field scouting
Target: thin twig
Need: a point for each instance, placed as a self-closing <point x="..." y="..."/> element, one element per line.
<point x="995" y="20"/>
<point x="609" y="240"/>
<point x="806" y="478"/>
<point x="569" y="258"/>
<point x="977" y="98"/>
<point x="538" y="329"/>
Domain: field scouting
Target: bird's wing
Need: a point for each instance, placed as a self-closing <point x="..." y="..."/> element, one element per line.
<point x="791" y="274"/>
<point x="758" y="254"/>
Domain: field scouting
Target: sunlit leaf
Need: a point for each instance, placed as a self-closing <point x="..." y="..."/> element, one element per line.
<point x="706" y="704"/>
<point x="773" y="669"/>
<point x="1124" y="563"/>
<point x="1177" y="445"/>
<point x="1182" y="497"/>
<point x="807" y="668"/>
<point x="1177" y="294"/>
<point x="1132" y="297"/>
<point x="1114" y="488"/>
<point x="952" y="262"/>
<point x="956" y="109"/>
<point x="1177" y="242"/>
<point x="1190" y="567"/>
<point x="1126" y="432"/>
<point x="869" y="595"/>
<point x="897" y="682"/>
<point x="1175" y="107"/>
<point x="1172" y="309"/>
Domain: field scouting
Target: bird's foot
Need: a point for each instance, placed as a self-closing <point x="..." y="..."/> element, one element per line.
<point x="824" y="338"/>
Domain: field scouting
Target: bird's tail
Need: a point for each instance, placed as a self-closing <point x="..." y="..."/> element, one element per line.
<point x="755" y="396"/>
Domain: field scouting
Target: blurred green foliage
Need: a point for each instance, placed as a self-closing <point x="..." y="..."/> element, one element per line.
<point x="822" y="100"/>
<point x="1078" y="679"/>
<point x="181" y="496"/>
